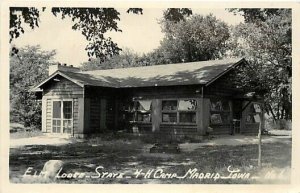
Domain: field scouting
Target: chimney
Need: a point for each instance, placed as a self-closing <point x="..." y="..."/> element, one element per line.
<point x="63" y="68"/>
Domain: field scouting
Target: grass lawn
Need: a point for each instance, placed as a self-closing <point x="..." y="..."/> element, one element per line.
<point x="18" y="131"/>
<point x="126" y="156"/>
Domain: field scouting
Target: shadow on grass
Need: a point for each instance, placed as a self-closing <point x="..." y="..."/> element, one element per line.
<point x="129" y="155"/>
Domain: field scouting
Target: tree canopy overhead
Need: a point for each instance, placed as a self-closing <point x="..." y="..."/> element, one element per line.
<point x="92" y="22"/>
<point x="267" y="45"/>
<point x="254" y="15"/>
<point x="196" y="38"/>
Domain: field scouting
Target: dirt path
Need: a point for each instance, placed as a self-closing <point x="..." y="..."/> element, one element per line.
<point x="235" y="141"/>
<point x="222" y="140"/>
<point x="40" y="140"/>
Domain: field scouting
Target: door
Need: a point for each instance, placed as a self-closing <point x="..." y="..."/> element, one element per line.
<point x="62" y="117"/>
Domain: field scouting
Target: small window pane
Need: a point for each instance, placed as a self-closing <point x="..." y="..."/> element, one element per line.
<point x="56" y="109"/>
<point x="67" y="109"/>
<point x="169" y="117"/>
<point x="186" y="105"/>
<point x="67" y="125"/>
<point x="169" y="105"/>
<point x="187" y="117"/>
<point x="56" y="126"/>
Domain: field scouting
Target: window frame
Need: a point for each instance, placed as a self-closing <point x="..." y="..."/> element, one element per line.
<point x="139" y="112"/>
<point x="135" y="111"/>
<point x="177" y="111"/>
<point x="220" y="112"/>
<point x="62" y="119"/>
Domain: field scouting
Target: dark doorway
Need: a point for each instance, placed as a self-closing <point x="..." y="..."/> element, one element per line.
<point x="237" y="115"/>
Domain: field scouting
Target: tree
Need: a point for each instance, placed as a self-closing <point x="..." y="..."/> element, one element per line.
<point x="27" y="68"/>
<point x="156" y="57"/>
<point x="196" y="38"/>
<point x="266" y="43"/>
<point x="127" y="58"/>
<point x="92" y="22"/>
<point x="255" y="15"/>
<point x="177" y="14"/>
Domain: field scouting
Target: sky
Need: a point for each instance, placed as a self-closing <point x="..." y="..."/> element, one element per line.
<point x="140" y="33"/>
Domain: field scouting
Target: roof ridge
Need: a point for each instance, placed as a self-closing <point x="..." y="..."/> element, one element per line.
<point x="203" y="72"/>
<point x="159" y="65"/>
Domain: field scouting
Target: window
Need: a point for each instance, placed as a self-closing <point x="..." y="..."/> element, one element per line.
<point x="182" y="111"/>
<point x="169" y="111"/>
<point x="62" y="119"/>
<point x="220" y="112"/>
<point x="143" y="108"/>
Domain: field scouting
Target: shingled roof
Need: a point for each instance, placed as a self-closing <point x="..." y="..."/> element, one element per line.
<point x="203" y="72"/>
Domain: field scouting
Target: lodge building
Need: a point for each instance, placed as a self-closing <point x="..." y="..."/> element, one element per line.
<point x="188" y="99"/>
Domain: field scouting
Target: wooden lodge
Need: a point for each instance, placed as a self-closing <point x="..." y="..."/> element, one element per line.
<point x="188" y="99"/>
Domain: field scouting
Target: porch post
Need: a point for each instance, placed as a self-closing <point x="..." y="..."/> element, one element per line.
<point x="156" y="114"/>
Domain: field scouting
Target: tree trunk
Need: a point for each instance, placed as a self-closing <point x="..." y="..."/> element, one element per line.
<point x="259" y="142"/>
<point x="271" y="111"/>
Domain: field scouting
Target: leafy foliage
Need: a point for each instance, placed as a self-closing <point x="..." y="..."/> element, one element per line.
<point x="127" y="58"/>
<point x="27" y="15"/>
<point x="267" y="46"/>
<point x="27" y="68"/>
<point x="197" y="38"/>
<point x="177" y="14"/>
<point x="92" y="22"/>
<point x="254" y="15"/>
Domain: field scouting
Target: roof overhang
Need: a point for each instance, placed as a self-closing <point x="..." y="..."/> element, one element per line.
<point x="79" y="78"/>
<point x="37" y="88"/>
<point x="226" y="71"/>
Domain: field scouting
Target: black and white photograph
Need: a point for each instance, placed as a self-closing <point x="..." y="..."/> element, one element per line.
<point x="137" y="94"/>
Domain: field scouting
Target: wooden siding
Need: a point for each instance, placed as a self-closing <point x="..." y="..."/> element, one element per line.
<point x="179" y="129"/>
<point x="250" y="128"/>
<point x="63" y="89"/>
<point x="110" y="114"/>
<point x="103" y="114"/>
<point x="205" y="114"/>
<point x="145" y="127"/>
<point x="48" y="115"/>
<point x="75" y="115"/>
<point x="222" y="87"/>
<point x="221" y="129"/>
<point x="95" y="114"/>
<point x="44" y="115"/>
<point x="188" y="91"/>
